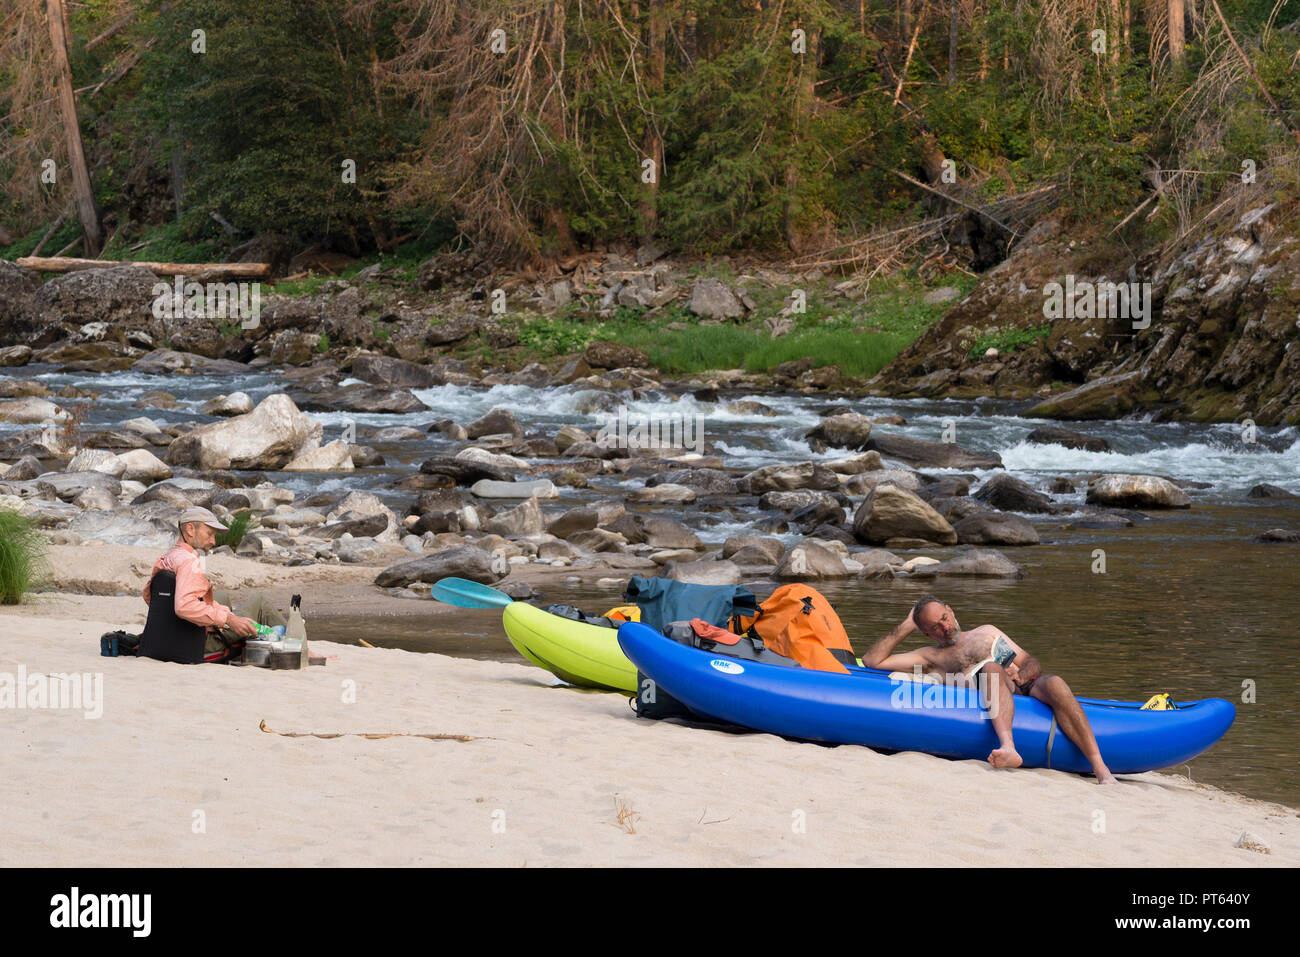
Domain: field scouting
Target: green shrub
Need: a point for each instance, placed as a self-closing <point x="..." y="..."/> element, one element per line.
<point x="238" y="524"/>
<point x="1007" y="340"/>
<point x="23" y="558"/>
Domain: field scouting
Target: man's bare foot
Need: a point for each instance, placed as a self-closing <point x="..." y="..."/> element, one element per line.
<point x="1006" y="757"/>
<point x="1105" y="777"/>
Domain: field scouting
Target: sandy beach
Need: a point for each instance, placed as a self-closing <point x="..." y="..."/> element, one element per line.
<point x="176" y="771"/>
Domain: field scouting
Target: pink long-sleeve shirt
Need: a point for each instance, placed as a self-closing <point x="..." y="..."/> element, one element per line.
<point x="194" y="601"/>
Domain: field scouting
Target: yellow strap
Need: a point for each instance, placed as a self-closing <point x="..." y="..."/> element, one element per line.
<point x="1159" y="702"/>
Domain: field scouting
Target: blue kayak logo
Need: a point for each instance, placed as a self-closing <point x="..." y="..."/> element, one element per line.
<point x="727" y="667"/>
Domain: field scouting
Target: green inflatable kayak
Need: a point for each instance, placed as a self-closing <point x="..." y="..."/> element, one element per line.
<point x="581" y="654"/>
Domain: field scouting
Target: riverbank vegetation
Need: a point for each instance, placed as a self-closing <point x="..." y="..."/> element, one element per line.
<point x="704" y="126"/>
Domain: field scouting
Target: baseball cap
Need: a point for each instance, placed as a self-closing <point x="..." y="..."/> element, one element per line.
<point x="201" y="516"/>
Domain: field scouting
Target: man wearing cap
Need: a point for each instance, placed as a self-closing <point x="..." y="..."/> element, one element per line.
<point x="196" y="627"/>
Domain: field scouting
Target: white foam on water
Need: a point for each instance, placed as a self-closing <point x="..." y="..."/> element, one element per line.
<point x="1232" y="465"/>
<point x="719" y="533"/>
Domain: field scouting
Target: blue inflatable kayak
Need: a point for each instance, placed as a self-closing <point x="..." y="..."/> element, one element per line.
<point x="869" y="707"/>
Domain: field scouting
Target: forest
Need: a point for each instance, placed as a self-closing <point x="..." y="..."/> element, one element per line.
<point x="827" y="131"/>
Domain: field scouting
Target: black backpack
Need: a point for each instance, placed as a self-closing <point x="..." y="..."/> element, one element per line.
<point x="118" y="643"/>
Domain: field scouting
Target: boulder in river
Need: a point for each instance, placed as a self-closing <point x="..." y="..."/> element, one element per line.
<point x="266" y="438"/>
<point x="889" y="512"/>
<point x="180" y="493"/>
<point x="27" y="467"/>
<point x="68" y="485"/>
<point x="334" y="457"/>
<point x="165" y="362"/>
<point x="1276" y="535"/>
<point x="523" y="519"/>
<point x="920" y="453"/>
<point x="769" y="550"/>
<point x="856" y="464"/>
<point x="720" y="572"/>
<point x="357" y="397"/>
<point x="1264" y="490"/>
<point x="901" y="478"/>
<point x="1052" y="435"/>
<point x="704" y="481"/>
<point x="15" y="355"/>
<point x="1108" y="397"/>
<point x="1136" y="491"/>
<point x="851" y="430"/>
<point x="659" y="531"/>
<point x="810" y="561"/>
<point x="461" y="561"/>
<point x="580" y="519"/>
<point x="121" y="530"/>
<point x="795" y="501"/>
<point x="394" y="373"/>
<point x="31" y="411"/>
<point x="978" y="562"/>
<point x="784" y="478"/>
<point x="995" y="528"/>
<point x="540" y="488"/>
<point x="464" y="471"/>
<point x="1010" y="494"/>
<point x="568" y="435"/>
<point x="140" y="465"/>
<point x="236" y="403"/>
<point x="666" y="494"/>
<point x="495" y="422"/>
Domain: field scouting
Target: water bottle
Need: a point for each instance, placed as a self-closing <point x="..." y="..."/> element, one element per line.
<point x="268" y="633"/>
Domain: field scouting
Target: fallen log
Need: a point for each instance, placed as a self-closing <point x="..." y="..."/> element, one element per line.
<point x="67" y="264"/>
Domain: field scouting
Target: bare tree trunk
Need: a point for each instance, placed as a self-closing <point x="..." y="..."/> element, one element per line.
<point x="952" y="43"/>
<point x="1177" y="38"/>
<point x="690" y="35"/>
<point x="804" y="92"/>
<point x="1116" y="18"/>
<point x="656" y="35"/>
<point x="86" y="210"/>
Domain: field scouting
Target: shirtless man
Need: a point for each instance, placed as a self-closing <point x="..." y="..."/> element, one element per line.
<point x="956" y="652"/>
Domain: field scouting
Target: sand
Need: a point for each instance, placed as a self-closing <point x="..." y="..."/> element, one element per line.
<point x="176" y="772"/>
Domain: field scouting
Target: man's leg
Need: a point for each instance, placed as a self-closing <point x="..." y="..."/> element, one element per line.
<point x="256" y="608"/>
<point x="260" y="610"/>
<point x="1056" y="694"/>
<point x="1000" y="701"/>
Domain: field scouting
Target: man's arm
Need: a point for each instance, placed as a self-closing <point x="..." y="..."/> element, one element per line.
<point x="1024" y="669"/>
<point x="191" y="594"/>
<point x="1024" y="666"/>
<point x="880" y="655"/>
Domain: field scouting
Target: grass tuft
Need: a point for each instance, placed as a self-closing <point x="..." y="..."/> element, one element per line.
<point x="23" y="559"/>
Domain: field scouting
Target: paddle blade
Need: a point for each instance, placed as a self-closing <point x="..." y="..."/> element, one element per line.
<point x="467" y="594"/>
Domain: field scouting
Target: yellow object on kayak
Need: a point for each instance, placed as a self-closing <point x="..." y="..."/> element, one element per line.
<point x="581" y="654"/>
<point x="1159" y="702"/>
<point x="624" y="613"/>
